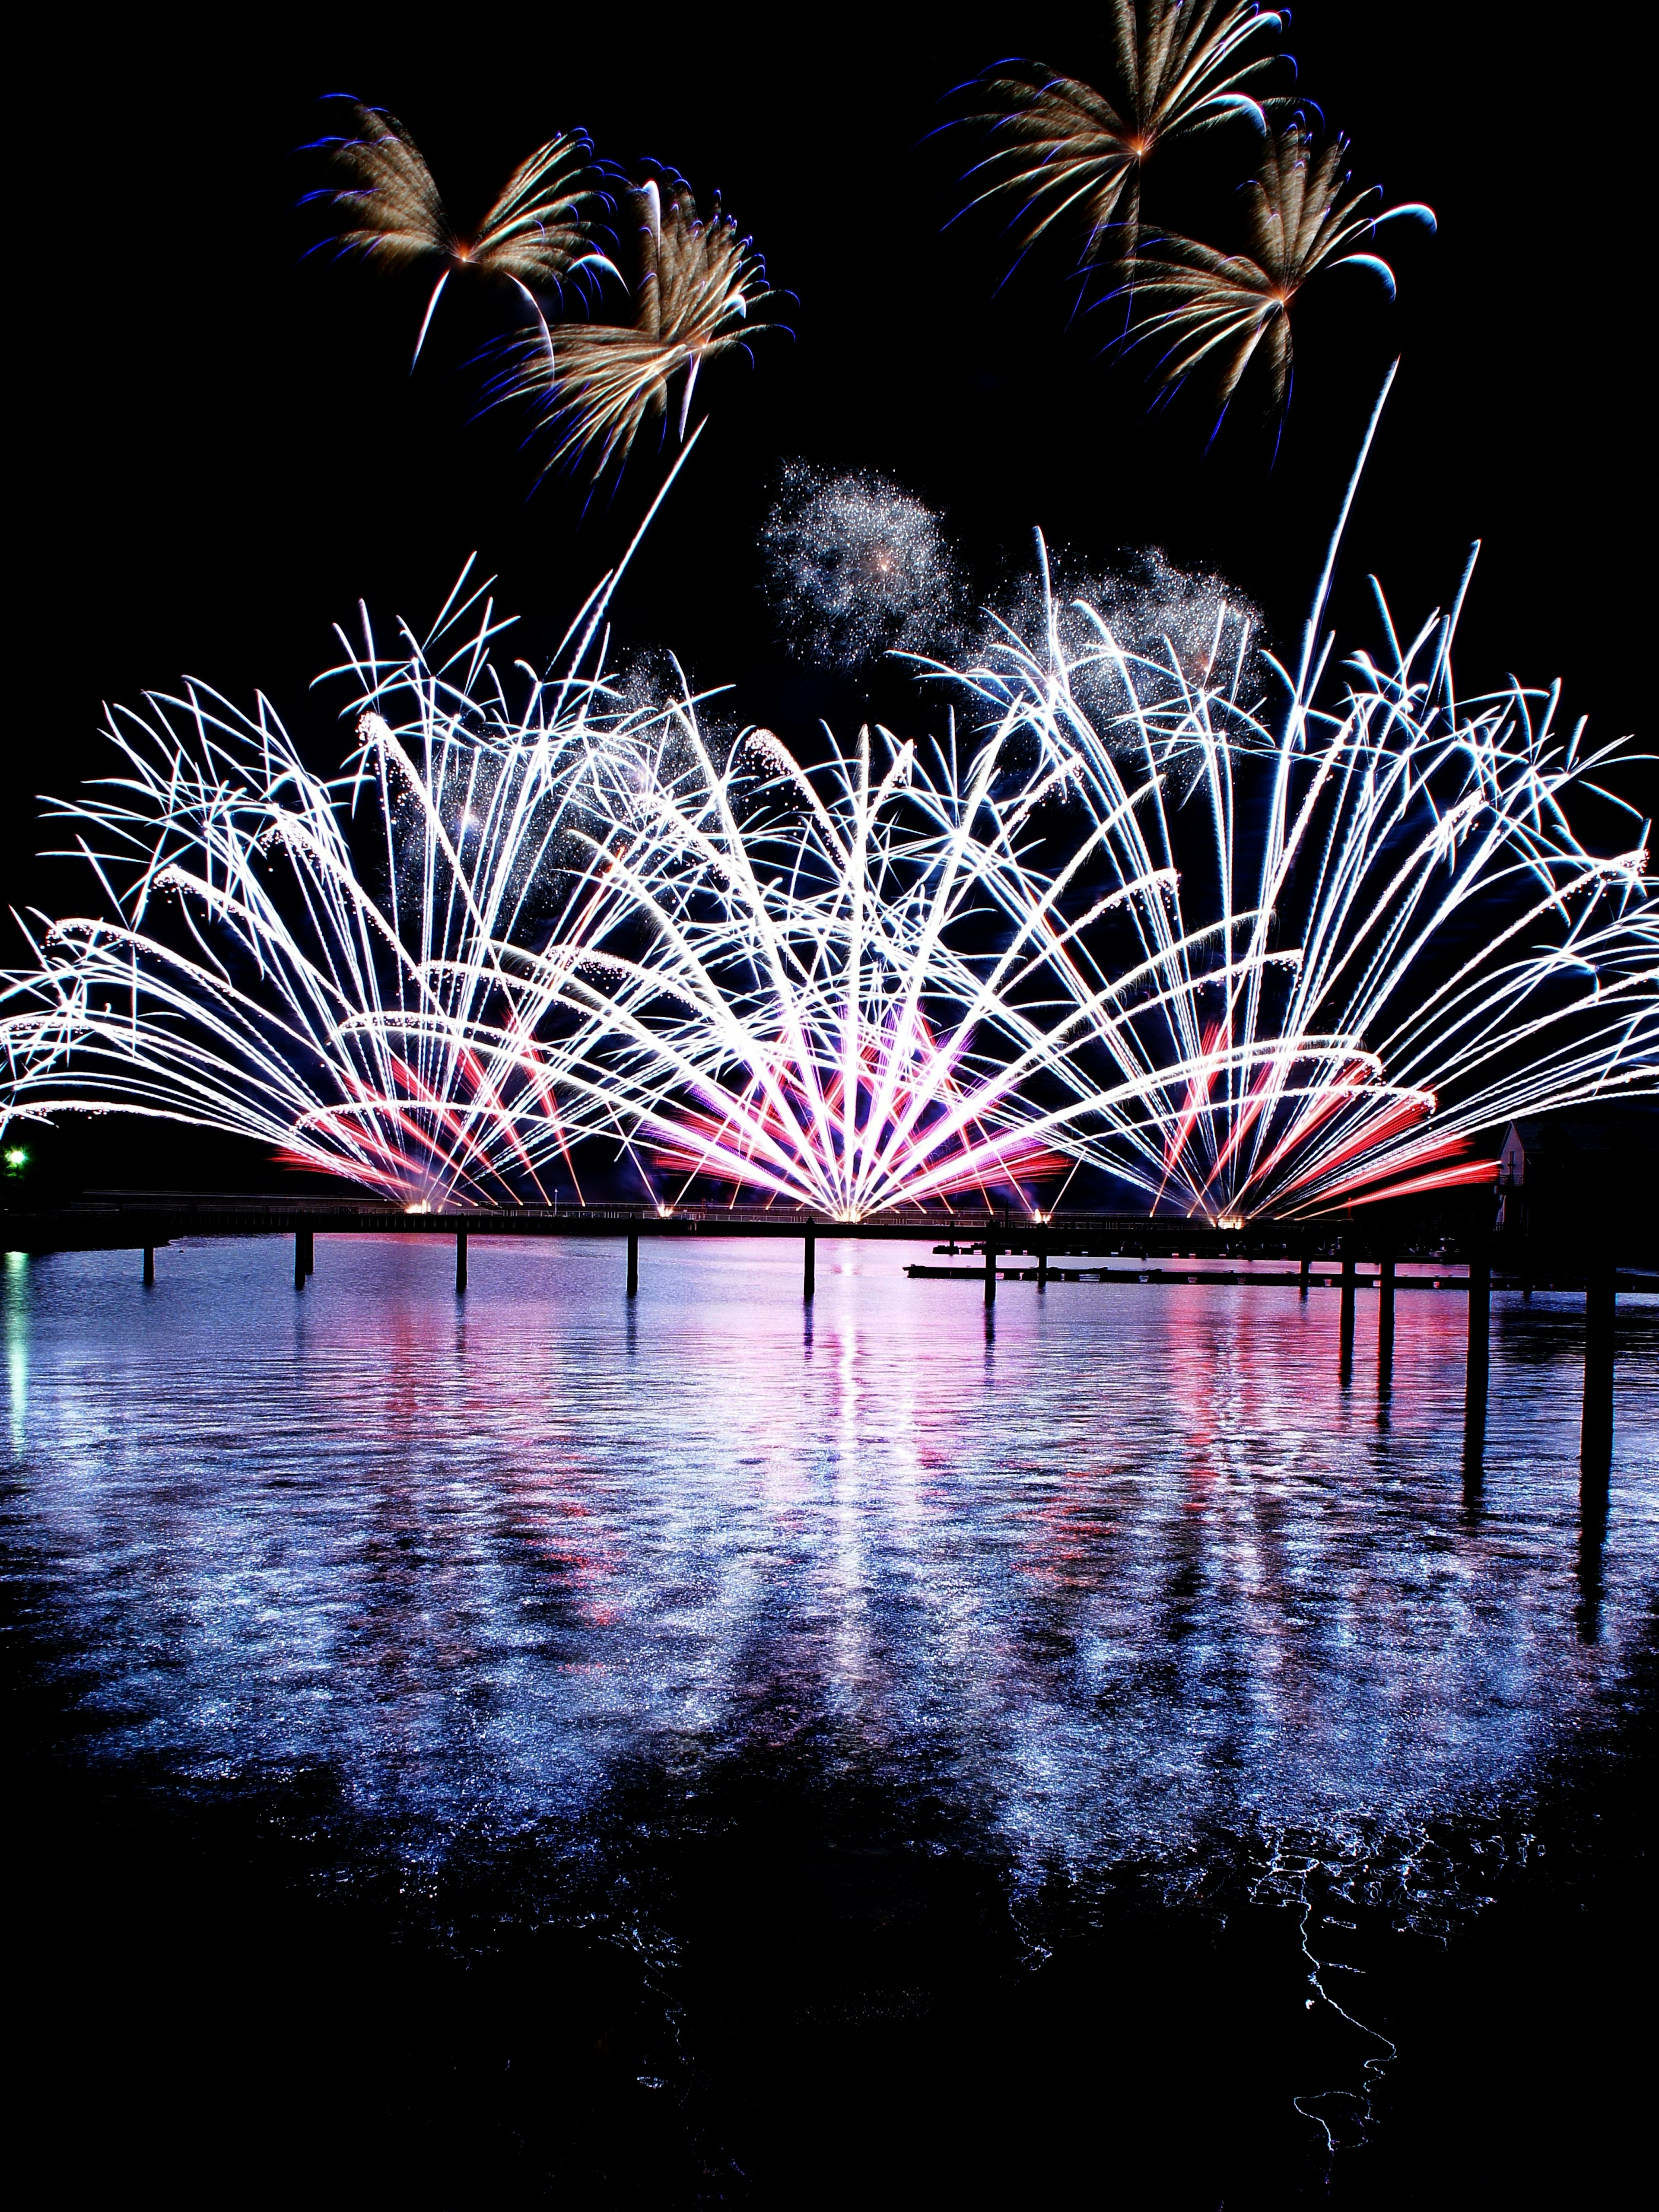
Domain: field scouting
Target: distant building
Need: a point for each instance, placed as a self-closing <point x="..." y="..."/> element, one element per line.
<point x="1558" y="1172"/>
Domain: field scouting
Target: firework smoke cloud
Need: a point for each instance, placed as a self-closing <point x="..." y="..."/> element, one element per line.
<point x="857" y="567"/>
<point x="1141" y="644"/>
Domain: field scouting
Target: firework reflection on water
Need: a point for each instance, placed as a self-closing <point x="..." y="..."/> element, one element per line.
<point x="573" y="1621"/>
<point x="1132" y="1567"/>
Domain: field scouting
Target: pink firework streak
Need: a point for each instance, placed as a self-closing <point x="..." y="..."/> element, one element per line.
<point x="790" y="1142"/>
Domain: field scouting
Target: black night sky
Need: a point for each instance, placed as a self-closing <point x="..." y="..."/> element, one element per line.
<point x="225" y="450"/>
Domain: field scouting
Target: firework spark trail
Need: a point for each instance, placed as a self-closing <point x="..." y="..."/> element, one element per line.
<point x="1147" y="644"/>
<point x="1306" y="1030"/>
<point x="801" y="1021"/>
<point x="244" y="976"/>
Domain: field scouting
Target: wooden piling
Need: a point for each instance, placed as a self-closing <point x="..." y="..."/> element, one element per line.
<point x="1385" y="1323"/>
<point x="1042" y="1263"/>
<point x="1479" y="1311"/>
<point x="149" y="1266"/>
<point x="1474" y="1392"/>
<point x="809" y="1271"/>
<point x="1595" y="1430"/>
<point x="302" y="1260"/>
<point x="990" y="1272"/>
<point x="1346" y="1342"/>
<point x="460" y="1261"/>
<point x="633" y="1262"/>
<point x="1302" y="1279"/>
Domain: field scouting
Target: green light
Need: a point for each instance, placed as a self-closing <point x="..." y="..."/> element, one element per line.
<point x="16" y="1157"/>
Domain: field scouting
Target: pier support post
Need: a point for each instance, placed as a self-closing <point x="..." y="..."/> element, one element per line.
<point x="1385" y="1323"/>
<point x="1601" y="1305"/>
<point x="1475" y="1396"/>
<point x="302" y="1257"/>
<point x="1042" y="1263"/>
<point x="809" y="1266"/>
<point x="1302" y="1279"/>
<point x="460" y="1261"/>
<point x="633" y="1262"/>
<point x="990" y="1270"/>
<point x="1346" y="1339"/>
<point x="149" y="1266"/>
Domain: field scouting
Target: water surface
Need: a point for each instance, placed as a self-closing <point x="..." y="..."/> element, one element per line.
<point x="1083" y="1585"/>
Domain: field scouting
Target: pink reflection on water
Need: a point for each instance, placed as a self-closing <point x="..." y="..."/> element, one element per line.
<point x="1134" y="1560"/>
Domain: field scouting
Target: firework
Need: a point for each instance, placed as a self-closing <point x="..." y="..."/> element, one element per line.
<point x="698" y="285"/>
<point x="1066" y="154"/>
<point x="857" y="567"/>
<point x="797" y="1008"/>
<point x="537" y="235"/>
<point x="1224" y="310"/>
<point x="1248" y="965"/>
<point x="1147" y="645"/>
<point x="319" y="964"/>
<point x="1374" y="936"/>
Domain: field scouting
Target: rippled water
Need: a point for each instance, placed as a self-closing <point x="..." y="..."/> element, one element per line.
<point x="1094" y="1583"/>
<point x="1126" y="1563"/>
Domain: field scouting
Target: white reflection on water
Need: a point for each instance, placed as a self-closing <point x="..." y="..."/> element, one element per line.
<point x="17" y="1349"/>
<point x="1132" y="1566"/>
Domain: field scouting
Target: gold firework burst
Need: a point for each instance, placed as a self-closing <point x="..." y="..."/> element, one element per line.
<point x="537" y="234"/>
<point x="1065" y="154"/>
<point x="1303" y="216"/>
<point x="698" y="285"/>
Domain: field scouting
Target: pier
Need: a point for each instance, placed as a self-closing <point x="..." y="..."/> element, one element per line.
<point x="984" y="1247"/>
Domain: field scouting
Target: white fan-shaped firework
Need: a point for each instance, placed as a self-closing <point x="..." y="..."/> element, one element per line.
<point x="1380" y="938"/>
<point x="1248" y="968"/>
<point x="318" y="963"/>
<point x="793" y="1004"/>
